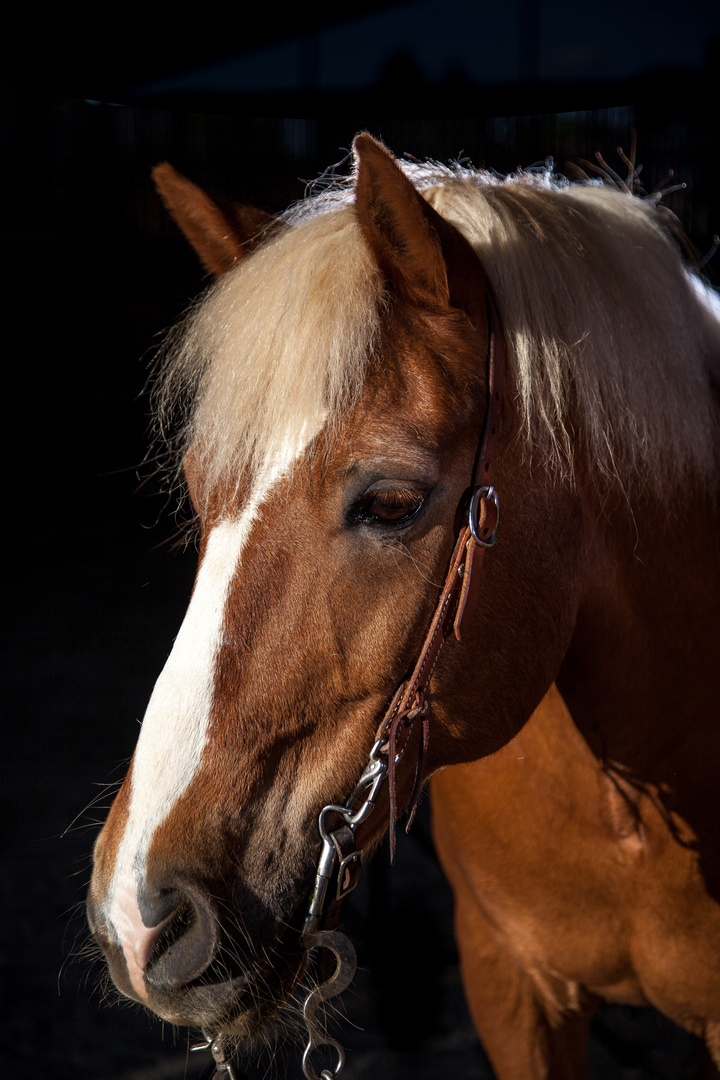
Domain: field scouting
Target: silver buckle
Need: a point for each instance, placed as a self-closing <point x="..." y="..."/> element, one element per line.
<point x="483" y="493"/>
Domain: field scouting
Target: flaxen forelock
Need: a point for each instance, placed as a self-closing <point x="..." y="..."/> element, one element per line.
<point x="604" y="330"/>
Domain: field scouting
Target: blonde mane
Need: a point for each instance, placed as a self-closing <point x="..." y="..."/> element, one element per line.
<point x="612" y="344"/>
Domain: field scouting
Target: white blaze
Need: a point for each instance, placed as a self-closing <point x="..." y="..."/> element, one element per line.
<point x="174" y="730"/>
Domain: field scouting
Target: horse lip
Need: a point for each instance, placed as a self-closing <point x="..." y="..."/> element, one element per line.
<point x="237" y="1009"/>
<point x="220" y="999"/>
<point x="236" y="1004"/>
<point x="286" y="963"/>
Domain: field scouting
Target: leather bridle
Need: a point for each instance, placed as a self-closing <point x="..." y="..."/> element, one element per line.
<point x="340" y="862"/>
<point x="479" y="514"/>
<point x="480" y="510"/>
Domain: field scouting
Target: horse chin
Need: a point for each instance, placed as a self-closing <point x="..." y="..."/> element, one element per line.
<point x="238" y="1007"/>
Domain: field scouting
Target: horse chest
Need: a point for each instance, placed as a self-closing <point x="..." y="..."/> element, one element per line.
<point x="572" y="870"/>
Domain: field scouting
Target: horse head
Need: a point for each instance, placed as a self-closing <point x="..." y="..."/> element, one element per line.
<point x="338" y="393"/>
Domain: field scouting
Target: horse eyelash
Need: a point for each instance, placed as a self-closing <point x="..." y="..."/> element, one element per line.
<point x="363" y="514"/>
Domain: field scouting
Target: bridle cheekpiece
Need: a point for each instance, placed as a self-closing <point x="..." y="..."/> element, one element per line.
<point x="340" y="862"/>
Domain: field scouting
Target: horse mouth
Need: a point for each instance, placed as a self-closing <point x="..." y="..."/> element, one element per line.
<point x="235" y="996"/>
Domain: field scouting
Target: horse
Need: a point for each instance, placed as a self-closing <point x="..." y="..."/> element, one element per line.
<point x="368" y="378"/>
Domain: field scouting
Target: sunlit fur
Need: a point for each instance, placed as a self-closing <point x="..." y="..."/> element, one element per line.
<point x="281" y="343"/>
<point x="278" y="346"/>
<point x="581" y="703"/>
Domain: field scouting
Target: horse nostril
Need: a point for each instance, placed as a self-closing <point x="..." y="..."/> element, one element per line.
<point x="156" y="905"/>
<point x="185" y="945"/>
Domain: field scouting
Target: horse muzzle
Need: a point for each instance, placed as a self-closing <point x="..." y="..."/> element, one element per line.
<point x="167" y="949"/>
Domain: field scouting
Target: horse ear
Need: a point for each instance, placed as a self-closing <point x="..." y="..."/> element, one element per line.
<point x="220" y="234"/>
<point x="423" y="256"/>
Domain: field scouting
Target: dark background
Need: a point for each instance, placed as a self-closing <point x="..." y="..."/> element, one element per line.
<point x="94" y="585"/>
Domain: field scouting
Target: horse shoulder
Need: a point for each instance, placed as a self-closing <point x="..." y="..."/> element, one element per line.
<point x="575" y="873"/>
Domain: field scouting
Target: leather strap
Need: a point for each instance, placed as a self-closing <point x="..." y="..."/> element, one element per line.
<point x="480" y="506"/>
<point x="483" y="475"/>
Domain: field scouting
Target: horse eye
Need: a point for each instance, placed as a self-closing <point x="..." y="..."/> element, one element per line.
<point x="393" y="506"/>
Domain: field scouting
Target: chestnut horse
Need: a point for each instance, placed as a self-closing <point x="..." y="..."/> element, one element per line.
<point x="336" y="385"/>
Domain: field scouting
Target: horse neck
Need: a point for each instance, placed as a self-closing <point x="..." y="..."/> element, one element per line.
<point x="639" y="676"/>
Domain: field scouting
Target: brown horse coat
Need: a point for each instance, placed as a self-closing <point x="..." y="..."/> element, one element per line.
<point x="335" y="398"/>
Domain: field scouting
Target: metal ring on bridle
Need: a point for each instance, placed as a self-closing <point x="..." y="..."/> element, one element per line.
<point x="492" y="496"/>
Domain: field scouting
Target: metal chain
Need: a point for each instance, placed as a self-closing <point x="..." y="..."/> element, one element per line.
<point x="355" y="811"/>
<point x="346" y="963"/>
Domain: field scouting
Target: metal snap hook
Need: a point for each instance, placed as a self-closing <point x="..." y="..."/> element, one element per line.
<point x="216" y="1045"/>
